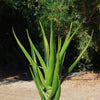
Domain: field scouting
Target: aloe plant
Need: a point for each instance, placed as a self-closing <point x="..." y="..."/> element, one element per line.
<point x="49" y="82"/>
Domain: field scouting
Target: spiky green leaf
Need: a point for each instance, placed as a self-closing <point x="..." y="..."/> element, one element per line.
<point x="67" y="41"/>
<point x="37" y="53"/>
<point x="52" y="57"/>
<point x="46" y="46"/>
<point x="37" y="84"/>
<point x="77" y="60"/>
<point x="55" y="83"/>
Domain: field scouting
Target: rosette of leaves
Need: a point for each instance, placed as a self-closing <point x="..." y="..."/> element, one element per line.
<point x="49" y="82"/>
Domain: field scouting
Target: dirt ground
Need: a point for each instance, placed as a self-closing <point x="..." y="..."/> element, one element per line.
<point x="83" y="87"/>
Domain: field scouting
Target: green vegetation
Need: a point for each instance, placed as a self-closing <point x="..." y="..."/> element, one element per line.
<point x="52" y="66"/>
<point x="55" y="16"/>
<point x="63" y="12"/>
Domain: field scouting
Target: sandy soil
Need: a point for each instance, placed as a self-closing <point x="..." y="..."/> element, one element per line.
<point x="84" y="87"/>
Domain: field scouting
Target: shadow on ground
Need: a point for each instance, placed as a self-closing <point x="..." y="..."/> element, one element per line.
<point x="7" y="77"/>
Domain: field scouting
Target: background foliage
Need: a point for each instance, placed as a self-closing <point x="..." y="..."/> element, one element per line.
<point x="26" y="14"/>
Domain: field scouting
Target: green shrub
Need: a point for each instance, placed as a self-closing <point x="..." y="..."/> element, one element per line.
<point x="63" y="12"/>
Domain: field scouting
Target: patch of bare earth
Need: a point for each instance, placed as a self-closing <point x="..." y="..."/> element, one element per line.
<point x="83" y="87"/>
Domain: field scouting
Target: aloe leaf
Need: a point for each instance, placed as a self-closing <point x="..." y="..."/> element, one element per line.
<point x="40" y="58"/>
<point x="66" y="43"/>
<point x="38" y="78"/>
<point x="46" y="87"/>
<point x="33" y="54"/>
<point x="52" y="57"/>
<point x="37" y="53"/>
<point x="77" y="60"/>
<point x="26" y="54"/>
<point x="59" y="43"/>
<point x="31" y="73"/>
<point x="46" y="46"/>
<point x="38" y="85"/>
<point x="24" y="50"/>
<point x="68" y="35"/>
<point x="55" y="83"/>
<point x="57" y="96"/>
<point x="79" y="57"/>
<point x="31" y="61"/>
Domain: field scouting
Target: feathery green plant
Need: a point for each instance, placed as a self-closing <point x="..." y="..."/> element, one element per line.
<point x="50" y="83"/>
